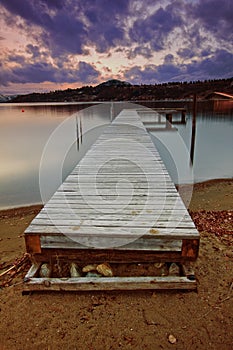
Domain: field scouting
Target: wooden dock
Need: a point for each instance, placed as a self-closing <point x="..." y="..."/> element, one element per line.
<point x="119" y="205"/>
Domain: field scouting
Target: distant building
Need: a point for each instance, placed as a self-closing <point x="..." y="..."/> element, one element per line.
<point x="218" y="96"/>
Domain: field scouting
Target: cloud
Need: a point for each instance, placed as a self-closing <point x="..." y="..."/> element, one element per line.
<point x="154" y="29"/>
<point x="182" y="37"/>
<point x="140" y="50"/>
<point x="105" y="20"/>
<point x="39" y="72"/>
<point x="66" y="27"/>
<point x="185" y="53"/>
<point x="34" y="50"/>
<point x="60" y="30"/>
<point x="58" y="4"/>
<point x="87" y="73"/>
<point x="219" y="65"/>
<point x="5" y="75"/>
<point x="137" y="74"/>
<point x="215" y="16"/>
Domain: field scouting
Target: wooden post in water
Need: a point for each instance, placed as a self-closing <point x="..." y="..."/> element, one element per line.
<point x="183" y="116"/>
<point x="77" y="132"/>
<point x="81" y="129"/>
<point x="193" y="127"/>
<point x="168" y="120"/>
<point x="111" y="112"/>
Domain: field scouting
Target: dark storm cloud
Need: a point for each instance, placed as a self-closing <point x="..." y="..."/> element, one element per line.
<point x="40" y="72"/>
<point x="63" y="30"/>
<point x="155" y="28"/>
<point x="140" y="50"/>
<point x="152" y="74"/>
<point x="106" y="22"/>
<point x="86" y="73"/>
<point x="185" y="53"/>
<point x="6" y="75"/>
<point x="33" y="50"/>
<point x="53" y="3"/>
<point x="219" y="65"/>
<point x="147" y="74"/>
<point x="216" y="17"/>
<point x="16" y="59"/>
<point x="36" y="73"/>
<point x="67" y="26"/>
<point x="72" y="24"/>
<point x="24" y="9"/>
<point x="58" y="29"/>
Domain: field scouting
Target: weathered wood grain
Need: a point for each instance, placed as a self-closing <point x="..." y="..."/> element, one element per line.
<point x="118" y="204"/>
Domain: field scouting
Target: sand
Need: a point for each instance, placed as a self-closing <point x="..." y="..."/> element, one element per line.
<point x="127" y="320"/>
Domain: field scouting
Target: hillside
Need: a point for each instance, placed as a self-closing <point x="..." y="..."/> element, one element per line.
<point x="116" y="90"/>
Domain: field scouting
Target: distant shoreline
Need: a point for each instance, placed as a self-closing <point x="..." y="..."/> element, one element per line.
<point x="116" y="90"/>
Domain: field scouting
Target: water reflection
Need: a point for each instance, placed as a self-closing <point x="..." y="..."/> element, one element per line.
<point x="23" y="136"/>
<point x="208" y="140"/>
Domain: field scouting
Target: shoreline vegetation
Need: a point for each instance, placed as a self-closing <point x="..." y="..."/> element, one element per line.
<point x="116" y="90"/>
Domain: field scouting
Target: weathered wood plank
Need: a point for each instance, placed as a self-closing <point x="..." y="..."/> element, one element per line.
<point x="132" y="222"/>
<point x="114" y="232"/>
<point x="68" y="215"/>
<point x="64" y="242"/>
<point x="133" y="204"/>
<point x="109" y="283"/>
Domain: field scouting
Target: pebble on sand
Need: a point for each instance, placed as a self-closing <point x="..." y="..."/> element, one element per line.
<point x="172" y="339"/>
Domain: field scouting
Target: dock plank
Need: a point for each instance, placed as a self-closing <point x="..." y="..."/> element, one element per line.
<point x="120" y="190"/>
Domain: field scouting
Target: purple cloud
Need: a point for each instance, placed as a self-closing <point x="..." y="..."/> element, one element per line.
<point x="58" y="30"/>
<point x="216" y="17"/>
<point x="185" y="53"/>
<point x="140" y="51"/>
<point x="155" y="28"/>
<point x="61" y="31"/>
<point x="53" y="3"/>
<point x="33" y="50"/>
<point x="73" y="23"/>
<point x="147" y="74"/>
<point x="105" y="28"/>
<point x="219" y="65"/>
<point x="39" y="72"/>
<point x="87" y="73"/>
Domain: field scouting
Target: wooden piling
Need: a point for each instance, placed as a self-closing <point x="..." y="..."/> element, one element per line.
<point x="193" y="128"/>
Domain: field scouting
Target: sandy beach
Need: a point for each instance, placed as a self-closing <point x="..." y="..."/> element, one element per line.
<point x="127" y="320"/>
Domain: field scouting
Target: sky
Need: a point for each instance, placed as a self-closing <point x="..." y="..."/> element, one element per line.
<point x="48" y="45"/>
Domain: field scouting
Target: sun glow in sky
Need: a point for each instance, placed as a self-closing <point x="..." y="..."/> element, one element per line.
<point x="56" y="44"/>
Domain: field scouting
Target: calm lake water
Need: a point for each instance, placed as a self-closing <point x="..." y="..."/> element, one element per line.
<point x="39" y="144"/>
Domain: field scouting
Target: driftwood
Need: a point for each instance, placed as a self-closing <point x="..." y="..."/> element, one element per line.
<point x="18" y="265"/>
<point x="6" y="271"/>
